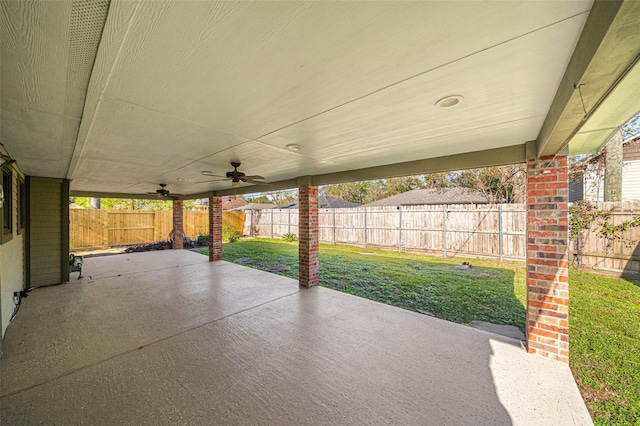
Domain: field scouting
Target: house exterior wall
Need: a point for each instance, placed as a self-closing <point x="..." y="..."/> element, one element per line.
<point x="48" y="243"/>
<point x="594" y="184"/>
<point x="576" y="191"/>
<point x="631" y="180"/>
<point x="593" y="180"/>
<point x="12" y="269"/>
<point x="631" y="151"/>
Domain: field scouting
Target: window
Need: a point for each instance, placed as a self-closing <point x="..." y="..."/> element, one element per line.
<point x="7" y="208"/>
<point x="22" y="205"/>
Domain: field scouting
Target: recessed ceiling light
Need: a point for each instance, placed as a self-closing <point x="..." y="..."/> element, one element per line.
<point x="294" y="147"/>
<point x="182" y="180"/>
<point x="206" y="172"/>
<point x="449" y="101"/>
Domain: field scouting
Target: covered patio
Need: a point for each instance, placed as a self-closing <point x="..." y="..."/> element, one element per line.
<point x="179" y="100"/>
<point x="170" y="338"/>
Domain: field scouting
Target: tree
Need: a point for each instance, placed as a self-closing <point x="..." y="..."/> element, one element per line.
<point x="83" y="202"/>
<point x="258" y="199"/>
<point x="133" y="204"/>
<point x="437" y="180"/>
<point x="280" y="198"/>
<point x="357" y="192"/>
<point x="398" y="185"/>
<point x="613" y="169"/>
<point x="499" y="184"/>
<point x="504" y="184"/>
<point x="631" y="128"/>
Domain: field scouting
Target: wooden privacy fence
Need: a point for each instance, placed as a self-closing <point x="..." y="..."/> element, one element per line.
<point x="591" y="250"/>
<point x="111" y="228"/>
<point x="485" y="230"/>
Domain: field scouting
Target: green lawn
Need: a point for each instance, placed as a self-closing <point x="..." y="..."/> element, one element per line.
<point x="605" y="312"/>
<point x="605" y="346"/>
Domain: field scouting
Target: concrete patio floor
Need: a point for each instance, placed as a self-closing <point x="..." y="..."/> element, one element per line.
<point x="169" y="338"/>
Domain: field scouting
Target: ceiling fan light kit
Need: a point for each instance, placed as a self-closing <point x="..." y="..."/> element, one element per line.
<point x="235" y="176"/>
<point x="162" y="192"/>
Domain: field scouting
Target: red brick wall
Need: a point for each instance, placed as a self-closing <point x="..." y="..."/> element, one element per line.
<point x="308" y="236"/>
<point x="215" y="228"/>
<point x="178" y="230"/>
<point x="547" y="258"/>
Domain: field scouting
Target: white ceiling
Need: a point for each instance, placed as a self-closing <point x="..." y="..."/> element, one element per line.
<point x="180" y="87"/>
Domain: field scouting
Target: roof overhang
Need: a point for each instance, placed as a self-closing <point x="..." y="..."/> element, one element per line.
<point x="600" y="89"/>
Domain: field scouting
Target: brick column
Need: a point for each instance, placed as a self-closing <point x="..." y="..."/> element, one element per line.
<point x="548" y="258"/>
<point x="215" y="228"/>
<point x="178" y="230"/>
<point x="308" y="236"/>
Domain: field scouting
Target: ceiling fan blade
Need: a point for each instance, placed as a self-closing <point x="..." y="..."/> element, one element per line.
<point x="255" y="182"/>
<point x="213" y="180"/>
<point x="212" y="175"/>
<point x="253" y="177"/>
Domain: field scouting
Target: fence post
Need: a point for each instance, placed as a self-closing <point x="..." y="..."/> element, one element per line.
<point x="251" y="224"/>
<point x="365" y="227"/>
<point x="500" y="230"/>
<point x="104" y="220"/>
<point x="271" y="224"/>
<point x="400" y="228"/>
<point x="288" y="221"/>
<point x="334" y="225"/>
<point x="444" y="230"/>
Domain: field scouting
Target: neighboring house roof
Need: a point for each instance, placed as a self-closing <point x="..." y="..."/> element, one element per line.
<point x="232" y="202"/>
<point x="254" y="206"/>
<point x="75" y="206"/>
<point x="325" y="202"/>
<point x="433" y="196"/>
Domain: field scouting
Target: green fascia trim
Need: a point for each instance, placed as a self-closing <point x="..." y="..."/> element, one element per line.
<point x="607" y="48"/>
<point x="470" y="160"/>
<point x="487" y="158"/>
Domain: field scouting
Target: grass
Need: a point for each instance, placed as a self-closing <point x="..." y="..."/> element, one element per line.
<point x="605" y="312"/>
<point x="605" y="346"/>
<point x="488" y="292"/>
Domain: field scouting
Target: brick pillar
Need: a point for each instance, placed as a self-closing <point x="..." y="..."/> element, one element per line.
<point x="215" y="228"/>
<point x="308" y="236"/>
<point x="548" y="258"/>
<point x="178" y="230"/>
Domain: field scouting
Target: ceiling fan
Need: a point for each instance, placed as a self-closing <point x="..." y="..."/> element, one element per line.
<point x="236" y="176"/>
<point x="165" y="193"/>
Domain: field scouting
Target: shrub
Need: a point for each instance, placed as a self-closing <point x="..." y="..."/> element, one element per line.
<point x="159" y="245"/>
<point x="289" y="237"/>
<point x="203" y="240"/>
<point x="230" y="233"/>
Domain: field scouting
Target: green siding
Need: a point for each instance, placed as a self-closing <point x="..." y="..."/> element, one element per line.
<point x="46" y="246"/>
